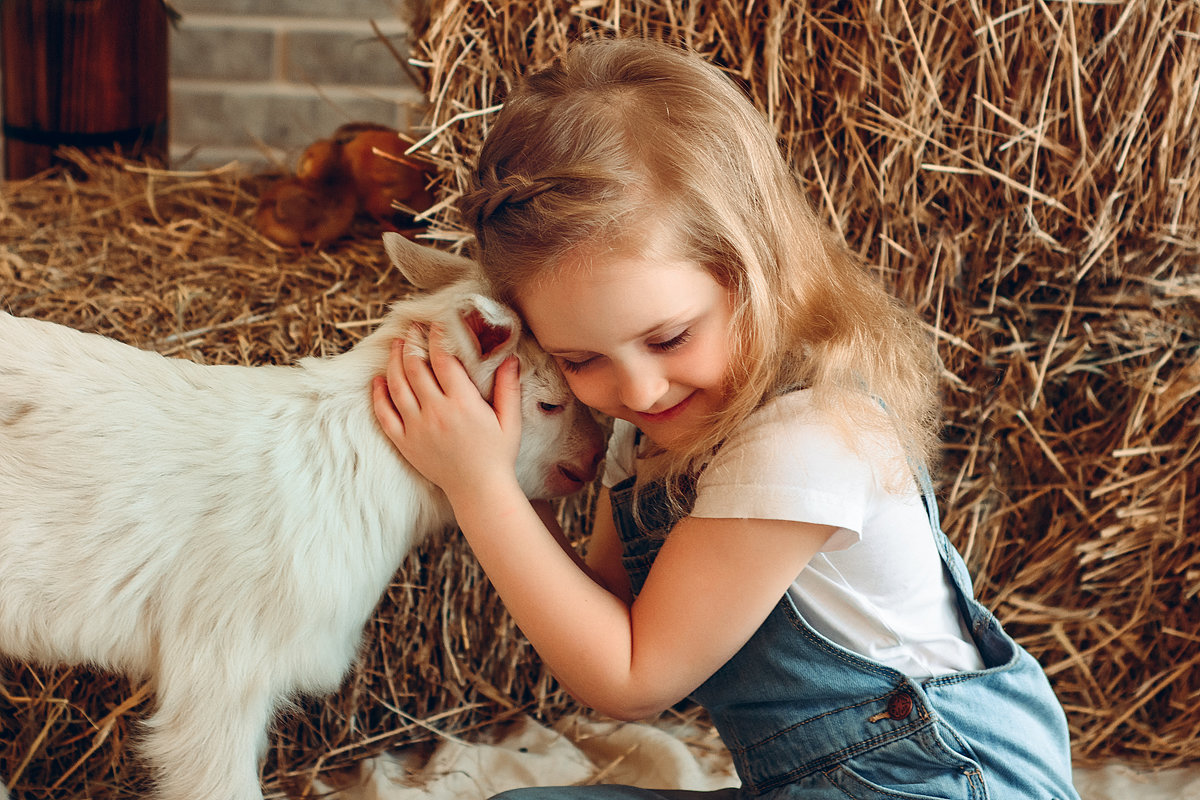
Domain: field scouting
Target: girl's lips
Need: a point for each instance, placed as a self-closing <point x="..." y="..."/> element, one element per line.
<point x="670" y="414"/>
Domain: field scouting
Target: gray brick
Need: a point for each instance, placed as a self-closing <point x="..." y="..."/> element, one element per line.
<point x="342" y="58"/>
<point x="252" y="159"/>
<point x="207" y="117"/>
<point x="345" y="9"/>
<point x="222" y="53"/>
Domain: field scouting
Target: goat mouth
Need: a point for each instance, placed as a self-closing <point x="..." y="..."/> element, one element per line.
<point x="570" y="475"/>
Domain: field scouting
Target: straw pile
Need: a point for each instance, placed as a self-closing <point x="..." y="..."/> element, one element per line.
<point x="1026" y="175"/>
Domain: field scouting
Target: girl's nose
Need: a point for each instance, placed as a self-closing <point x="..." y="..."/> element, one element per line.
<point x="641" y="389"/>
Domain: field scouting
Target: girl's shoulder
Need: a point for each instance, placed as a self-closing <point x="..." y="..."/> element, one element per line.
<point x="823" y="433"/>
<point x="802" y="420"/>
<point x="798" y="458"/>
<point x="796" y="439"/>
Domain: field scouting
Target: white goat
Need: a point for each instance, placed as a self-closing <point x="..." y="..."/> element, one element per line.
<point x="226" y="531"/>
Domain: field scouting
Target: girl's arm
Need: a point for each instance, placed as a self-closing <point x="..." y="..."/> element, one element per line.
<point x="546" y="514"/>
<point x="712" y="584"/>
<point x="604" y="551"/>
<point x="603" y="560"/>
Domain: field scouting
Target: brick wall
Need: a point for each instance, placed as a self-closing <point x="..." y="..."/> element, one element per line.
<point x="257" y="80"/>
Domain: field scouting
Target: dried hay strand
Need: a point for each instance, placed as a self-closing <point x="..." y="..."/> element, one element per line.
<point x="1027" y="175"/>
<point x="169" y="261"/>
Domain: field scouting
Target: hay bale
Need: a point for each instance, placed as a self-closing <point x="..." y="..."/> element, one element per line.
<point x="1027" y="176"/>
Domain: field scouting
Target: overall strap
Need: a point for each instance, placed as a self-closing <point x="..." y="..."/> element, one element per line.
<point x="643" y="516"/>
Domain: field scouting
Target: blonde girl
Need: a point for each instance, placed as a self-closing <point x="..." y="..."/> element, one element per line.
<point x="767" y="539"/>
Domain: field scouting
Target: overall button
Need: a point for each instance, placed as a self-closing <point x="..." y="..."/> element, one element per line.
<point x="900" y="705"/>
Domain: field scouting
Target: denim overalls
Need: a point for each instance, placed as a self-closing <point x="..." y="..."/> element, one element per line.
<point x="806" y="718"/>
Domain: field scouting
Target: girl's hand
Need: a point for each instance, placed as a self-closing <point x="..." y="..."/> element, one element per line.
<point x="437" y="419"/>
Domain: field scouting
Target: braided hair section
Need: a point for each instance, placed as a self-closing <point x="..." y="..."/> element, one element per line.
<point x="479" y="206"/>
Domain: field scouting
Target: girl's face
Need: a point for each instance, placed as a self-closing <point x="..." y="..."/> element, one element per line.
<point x="644" y="339"/>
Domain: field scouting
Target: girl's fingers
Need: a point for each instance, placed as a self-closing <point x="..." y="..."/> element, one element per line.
<point x="398" y="386"/>
<point x="416" y="382"/>
<point x="419" y="375"/>
<point x="446" y="368"/>
<point x="385" y="410"/>
<point x="507" y="395"/>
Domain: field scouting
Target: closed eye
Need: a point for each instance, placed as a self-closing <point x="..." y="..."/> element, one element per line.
<point x="673" y="343"/>
<point x="573" y="366"/>
<point x="550" y="408"/>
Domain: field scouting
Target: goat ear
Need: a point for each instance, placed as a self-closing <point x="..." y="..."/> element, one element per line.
<point x="490" y="336"/>
<point x="487" y="335"/>
<point x="425" y="267"/>
<point x="493" y="326"/>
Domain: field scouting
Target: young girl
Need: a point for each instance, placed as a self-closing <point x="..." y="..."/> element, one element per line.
<point x="767" y="541"/>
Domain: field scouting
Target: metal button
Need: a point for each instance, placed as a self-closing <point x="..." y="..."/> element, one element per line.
<point x="900" y="705"/>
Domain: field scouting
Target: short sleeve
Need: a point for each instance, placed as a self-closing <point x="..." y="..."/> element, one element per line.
<point x="789" y="462"/>
<point x="622" y="449"/>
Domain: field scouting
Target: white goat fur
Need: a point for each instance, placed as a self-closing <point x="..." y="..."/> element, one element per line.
<point x="226" y="531"/>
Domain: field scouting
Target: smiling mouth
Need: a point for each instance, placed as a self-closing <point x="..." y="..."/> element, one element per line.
<point x="670" y="413"/>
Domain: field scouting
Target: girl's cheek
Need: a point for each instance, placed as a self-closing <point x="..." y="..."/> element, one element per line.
<point x="586" y="389"/>
<point x="580" y="387"/>
<point x="721" y="365"/>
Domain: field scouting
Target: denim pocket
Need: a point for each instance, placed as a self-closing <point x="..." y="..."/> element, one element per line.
<point x="922" y="766"/>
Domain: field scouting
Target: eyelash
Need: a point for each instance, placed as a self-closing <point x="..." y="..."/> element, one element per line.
<point x="572" y="366"/>
<point x="674" y="343"/>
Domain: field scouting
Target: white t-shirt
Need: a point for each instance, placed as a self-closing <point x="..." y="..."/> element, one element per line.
<point x="878" y="587"/>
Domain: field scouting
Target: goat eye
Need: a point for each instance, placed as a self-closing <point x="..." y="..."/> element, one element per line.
<point x="550" y="408"/>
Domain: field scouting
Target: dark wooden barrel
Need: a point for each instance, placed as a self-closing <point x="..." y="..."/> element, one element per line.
<point x="90" y="74"/>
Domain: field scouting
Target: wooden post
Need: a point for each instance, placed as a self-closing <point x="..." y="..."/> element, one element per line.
<point x="90" y="74"/>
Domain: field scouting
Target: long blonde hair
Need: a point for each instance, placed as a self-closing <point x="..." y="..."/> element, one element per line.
<point x="620" y="132"/>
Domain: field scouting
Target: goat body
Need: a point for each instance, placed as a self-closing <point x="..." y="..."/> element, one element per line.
<point x="226" y="531"/>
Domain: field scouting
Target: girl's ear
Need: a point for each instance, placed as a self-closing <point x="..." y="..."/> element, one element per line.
<point x="425" y="267"/>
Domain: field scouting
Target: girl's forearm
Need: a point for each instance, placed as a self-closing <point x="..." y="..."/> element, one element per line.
<point x="580" y="629"/>
<point x="545" y="513"/>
